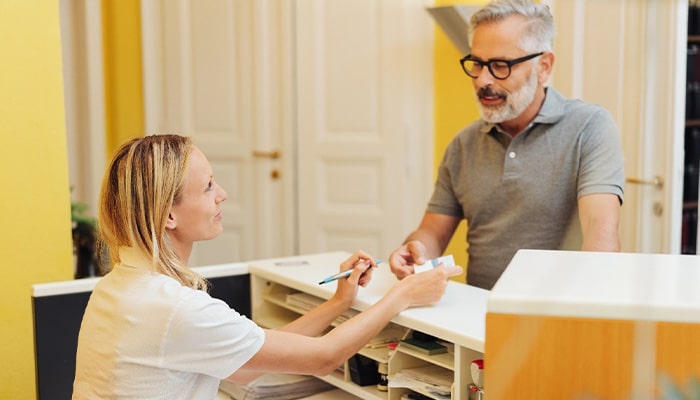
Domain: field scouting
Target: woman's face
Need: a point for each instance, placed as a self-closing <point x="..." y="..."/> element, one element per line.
<point x="197" y="214"/>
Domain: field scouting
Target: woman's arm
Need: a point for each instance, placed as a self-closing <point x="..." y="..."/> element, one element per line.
<point x="290" y="352"/>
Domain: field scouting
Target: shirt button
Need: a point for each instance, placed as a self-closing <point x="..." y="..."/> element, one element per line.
<point x="511" y="154"/>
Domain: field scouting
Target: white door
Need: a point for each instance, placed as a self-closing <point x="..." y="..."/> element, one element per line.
<point x="629" y="56"/>
<point x="316" y="117"/>
<point x="210" y="73"/>
<point x="364" y="70"/>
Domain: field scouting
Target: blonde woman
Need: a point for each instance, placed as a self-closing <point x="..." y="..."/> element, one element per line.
<point x="150" y="329"/>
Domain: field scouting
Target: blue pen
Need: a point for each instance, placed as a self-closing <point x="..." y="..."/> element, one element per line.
<point x="342" y="275"/>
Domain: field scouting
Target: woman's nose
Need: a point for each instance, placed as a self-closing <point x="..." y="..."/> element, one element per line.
<point x="222" y="196"/>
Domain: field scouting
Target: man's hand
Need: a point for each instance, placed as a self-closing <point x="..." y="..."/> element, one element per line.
<point x="402" y="259"/>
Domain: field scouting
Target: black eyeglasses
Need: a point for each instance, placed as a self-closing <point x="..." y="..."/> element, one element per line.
<point x="499" y="69"/>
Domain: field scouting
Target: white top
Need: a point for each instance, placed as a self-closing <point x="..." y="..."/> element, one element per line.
<point x="145" y="336"/>
<point x="459" y="317"/>
<point x="628" y="286"/>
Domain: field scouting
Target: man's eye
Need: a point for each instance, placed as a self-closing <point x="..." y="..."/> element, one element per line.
<point x="499" y="65"/>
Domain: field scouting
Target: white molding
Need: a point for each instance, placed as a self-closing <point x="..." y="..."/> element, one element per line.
<point x="83" y="78"/>
<point x="95" y="97"/>
<point x="152" y="60"/>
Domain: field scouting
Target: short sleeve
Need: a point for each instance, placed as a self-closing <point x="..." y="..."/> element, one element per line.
<point x="206" y="336"/>
<point x="601" y="166"/>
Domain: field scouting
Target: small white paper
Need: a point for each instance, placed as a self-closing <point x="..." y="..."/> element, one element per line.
<point x="447" y="261"/>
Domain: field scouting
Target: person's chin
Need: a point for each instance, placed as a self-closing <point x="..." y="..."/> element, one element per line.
<point x="492" y="116"/>
<point x="216" y="231"/>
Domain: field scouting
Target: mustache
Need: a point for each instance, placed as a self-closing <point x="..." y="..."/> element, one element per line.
<point x="488" y="91"/>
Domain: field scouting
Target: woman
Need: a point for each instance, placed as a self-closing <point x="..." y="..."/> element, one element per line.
<point x="150" y="330"/>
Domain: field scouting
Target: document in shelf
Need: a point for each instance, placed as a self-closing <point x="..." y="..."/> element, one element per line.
<point x="391" y="334"/>
<point x="433" y="380"/>
<point x="276" y="387"/>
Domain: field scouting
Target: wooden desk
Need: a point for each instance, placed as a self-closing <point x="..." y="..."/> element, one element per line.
<point x="575" y="325"/>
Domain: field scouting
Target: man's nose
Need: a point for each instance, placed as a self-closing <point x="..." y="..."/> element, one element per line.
<point x="484" y="78"/>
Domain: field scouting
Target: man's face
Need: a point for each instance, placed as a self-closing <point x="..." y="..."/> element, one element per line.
<point x="503" y="100"/>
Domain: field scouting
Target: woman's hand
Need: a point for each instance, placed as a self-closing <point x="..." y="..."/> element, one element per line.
<point x="426" y="287"/>
<point x="361" y="263"/>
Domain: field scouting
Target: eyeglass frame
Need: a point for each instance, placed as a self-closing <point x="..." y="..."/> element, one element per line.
<point x="509" y="63"/>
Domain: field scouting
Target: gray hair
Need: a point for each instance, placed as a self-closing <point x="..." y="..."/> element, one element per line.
<point x="540" y="32"/>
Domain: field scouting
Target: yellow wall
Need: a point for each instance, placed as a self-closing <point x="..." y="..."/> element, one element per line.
<point x="121" y="21"/>
<point x="35" y="239"/>
<point x="455" y="108"/>
<point x="35" y="202"/>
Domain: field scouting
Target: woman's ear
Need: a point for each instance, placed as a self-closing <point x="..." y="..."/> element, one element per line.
<point x="170" y="223"/>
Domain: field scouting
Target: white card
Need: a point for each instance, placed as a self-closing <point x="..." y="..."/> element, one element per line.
<point x="447" y="261"/>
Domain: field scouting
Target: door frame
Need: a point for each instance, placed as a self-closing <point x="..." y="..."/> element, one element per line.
<point x="83" y="79"/>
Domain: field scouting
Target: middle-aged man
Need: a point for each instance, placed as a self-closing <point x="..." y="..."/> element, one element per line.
<point x="535" y="169"/>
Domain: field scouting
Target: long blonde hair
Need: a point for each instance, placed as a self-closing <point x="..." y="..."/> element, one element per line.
<point x="143" y="181"/>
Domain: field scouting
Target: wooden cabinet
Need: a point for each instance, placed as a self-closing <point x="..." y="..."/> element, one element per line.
<point x="575" y="325"/>
<point x="283" y="289"/>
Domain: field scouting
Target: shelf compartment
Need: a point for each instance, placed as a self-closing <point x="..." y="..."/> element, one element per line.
<point x="339" y="380"/>
<point x="445" y="360"/>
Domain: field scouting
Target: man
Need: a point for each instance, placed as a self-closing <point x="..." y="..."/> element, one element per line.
<point x="536" y="166"/>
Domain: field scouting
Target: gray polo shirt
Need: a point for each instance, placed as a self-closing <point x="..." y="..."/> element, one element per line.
<point x="521" y="193"/>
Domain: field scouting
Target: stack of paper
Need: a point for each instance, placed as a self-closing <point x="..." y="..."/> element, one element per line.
<point x="304" y="301"/>
<point x="346" y="316"/>
<point x="276" y="387"/>
<point x="390" y="334"/>
<point x="307" y="302"/>
<point x="433" y="380"/>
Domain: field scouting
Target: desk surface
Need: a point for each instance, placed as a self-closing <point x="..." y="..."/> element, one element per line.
<point x="458" y="317"/>
<point x="630" y="286"/>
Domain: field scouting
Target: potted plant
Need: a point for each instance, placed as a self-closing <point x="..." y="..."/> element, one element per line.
<point x="85" y="249"/>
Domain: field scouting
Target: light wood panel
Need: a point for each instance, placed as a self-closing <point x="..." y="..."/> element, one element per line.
<point x="678" y="353"/>
<point x="538" y="357"/>
<point x="534" y="357"/>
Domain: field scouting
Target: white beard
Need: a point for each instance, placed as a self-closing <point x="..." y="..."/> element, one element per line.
<point x="515" y="103"/>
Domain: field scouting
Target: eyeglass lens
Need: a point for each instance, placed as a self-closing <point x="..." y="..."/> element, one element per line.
<point x="499" y="69"/>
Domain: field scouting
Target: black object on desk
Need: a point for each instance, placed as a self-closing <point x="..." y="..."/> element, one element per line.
<point x="363" y="370"/>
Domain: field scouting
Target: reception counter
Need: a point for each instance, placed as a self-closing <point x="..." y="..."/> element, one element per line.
<point x="557" y="325"/>
<point x="586" y="325"/>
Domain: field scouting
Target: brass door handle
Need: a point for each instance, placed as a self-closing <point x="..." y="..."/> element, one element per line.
<point x="275" y="154"/>
<point x="657" y="182"/>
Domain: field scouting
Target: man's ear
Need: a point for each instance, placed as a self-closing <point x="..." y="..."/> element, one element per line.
<point x="546" y="62"/>
<point x="171" y="222"/>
